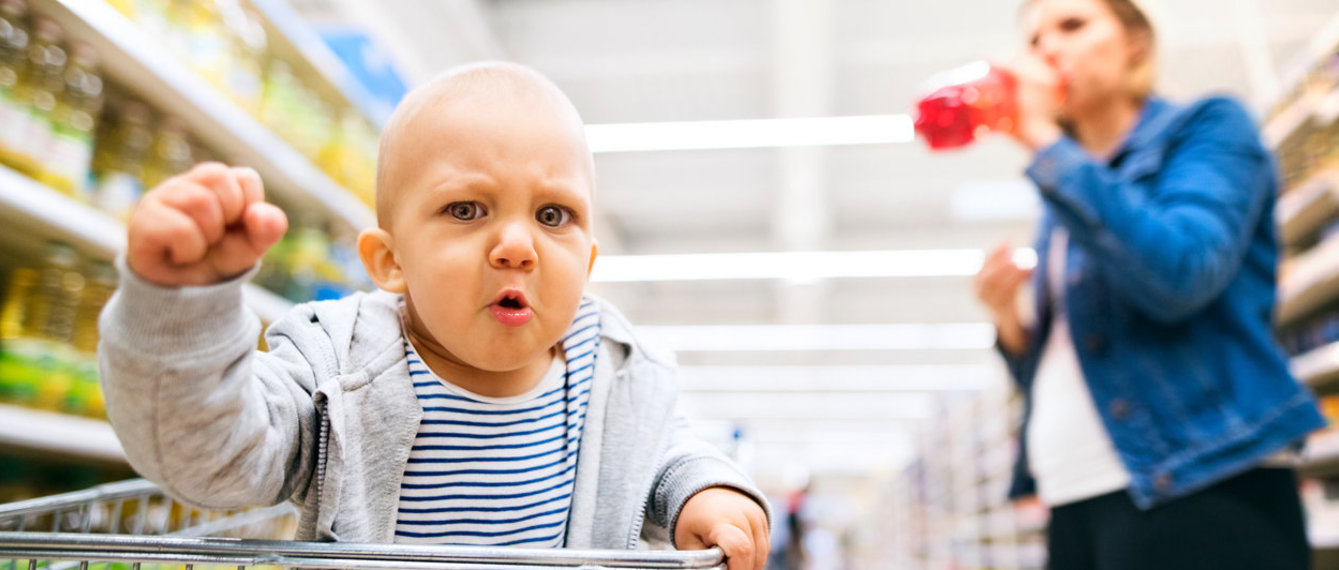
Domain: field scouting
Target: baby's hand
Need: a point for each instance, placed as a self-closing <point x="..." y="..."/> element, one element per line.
<point x="202" y="227"/>
<point x="726" y="518"/>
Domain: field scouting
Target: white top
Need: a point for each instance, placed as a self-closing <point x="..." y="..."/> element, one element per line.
<point x="498" y="471"/>
<point x="1069" y="451"/>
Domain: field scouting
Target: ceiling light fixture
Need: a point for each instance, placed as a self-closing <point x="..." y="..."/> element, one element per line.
<point x="750" y="133"/>
<point x="797" y="266"/>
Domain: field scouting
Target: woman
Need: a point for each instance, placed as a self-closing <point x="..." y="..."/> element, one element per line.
<point x="1159" y="411"/>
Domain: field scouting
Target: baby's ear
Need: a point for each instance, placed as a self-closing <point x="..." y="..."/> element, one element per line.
<point x="378" y="255"/>
<point x="594" y="252"/>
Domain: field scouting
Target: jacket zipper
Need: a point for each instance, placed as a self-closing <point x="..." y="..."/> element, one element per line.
<point x="322" y="452"/>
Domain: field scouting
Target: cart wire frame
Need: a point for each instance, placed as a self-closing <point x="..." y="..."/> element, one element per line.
<point x="133" y="525"/>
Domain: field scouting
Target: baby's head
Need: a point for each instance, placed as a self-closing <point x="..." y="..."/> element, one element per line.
<point x="484" y="207"/>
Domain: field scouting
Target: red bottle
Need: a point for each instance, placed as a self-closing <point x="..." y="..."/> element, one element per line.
<point x="964" y="104"/>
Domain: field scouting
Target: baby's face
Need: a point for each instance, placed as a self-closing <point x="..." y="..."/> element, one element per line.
<point x="492" y="229"/>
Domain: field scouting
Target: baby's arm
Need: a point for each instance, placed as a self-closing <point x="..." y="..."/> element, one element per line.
<point x="195" y="408"/>
<point x="707" y="501"/>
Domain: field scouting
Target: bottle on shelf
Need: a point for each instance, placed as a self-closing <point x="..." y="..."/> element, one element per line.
<point x="348" y="157"/>
<point x="282" y="106"/>
<point x="14" y="78"/>
<point x="99" y="286"/>
<point x="170" y="153"/>
<point x="38" y="314"/>
<point x="119" y="158"/>
<point x="56" y="306"/>
<point x="247" y="44"/>
<point x="85" y="393"/>
<point x="306" y="268"/>
<point x="198" y="28"/>
<point x="69" y="154"/>
<point x="13" y="320"/>
<point x="49" y="336"/>
<point x="16" y="331"/>
<point x="45" y="85"/>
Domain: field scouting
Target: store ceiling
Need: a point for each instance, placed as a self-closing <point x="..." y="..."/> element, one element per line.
<point x="682" y="60"/>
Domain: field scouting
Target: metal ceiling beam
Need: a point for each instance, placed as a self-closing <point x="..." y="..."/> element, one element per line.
<point x="835" y="379"/>
<point x="754" y="406"/>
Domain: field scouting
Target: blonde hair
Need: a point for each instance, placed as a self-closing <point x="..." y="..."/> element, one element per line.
<point x="1136" y="22"/>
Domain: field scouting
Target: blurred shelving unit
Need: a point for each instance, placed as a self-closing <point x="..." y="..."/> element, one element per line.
<point x="32" y="214"/>
<point x="1303" y="132"/>
<point x="82" y="439"/>
<point x="134" y="59"/>
<point x="950" y="504"/>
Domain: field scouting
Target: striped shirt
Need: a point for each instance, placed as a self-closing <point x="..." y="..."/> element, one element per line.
<point x="498" y="471"/>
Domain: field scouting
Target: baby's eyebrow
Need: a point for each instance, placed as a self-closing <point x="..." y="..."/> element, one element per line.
<point x="461" y="183"/>
<point x="560" y="188"/>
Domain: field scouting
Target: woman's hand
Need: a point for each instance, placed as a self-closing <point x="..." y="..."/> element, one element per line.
<point x="997" y="286"/>
<point x="1040" y="92"/>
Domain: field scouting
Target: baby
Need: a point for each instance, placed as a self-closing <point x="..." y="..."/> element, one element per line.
<point x="479" y="397"/>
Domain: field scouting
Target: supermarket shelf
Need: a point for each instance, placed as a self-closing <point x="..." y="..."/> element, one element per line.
<point x="1320" y="459"/>
<point x="1287" y="122"/>
<point x="31" y="211"/>
<point x="1318" y="368"/>
<point x="1312" y="281"/>
<point x="1322" y="109"/>
<point x="38" y="213"/>
<point x="288" y="32"/>
<point x="139" y="62"/>
<point x="1326" y="108"/>
<point x="1304" y="210"/>
<point x="1320" y="46"/>
<point x="59" y="434"/>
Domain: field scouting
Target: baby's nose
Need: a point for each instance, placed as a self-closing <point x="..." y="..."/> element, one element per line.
<point x="515" y="248"/>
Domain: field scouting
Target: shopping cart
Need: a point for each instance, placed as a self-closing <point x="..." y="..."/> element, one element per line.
<point x="133" y="525"/>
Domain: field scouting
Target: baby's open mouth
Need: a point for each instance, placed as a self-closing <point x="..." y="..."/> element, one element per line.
<point x="510" y="309"/>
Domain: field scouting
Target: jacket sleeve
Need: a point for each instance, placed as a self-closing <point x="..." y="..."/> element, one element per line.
<point x="1022" y="367"/>
<point x="692" y="465"/>
<point x="1179" y="249"/>
<point x="197" y="408"/>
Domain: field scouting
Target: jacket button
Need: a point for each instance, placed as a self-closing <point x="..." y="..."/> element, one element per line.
<point x="1120" y="408"/>
<point x="1163" y="482"/>
<point x="1095" y="344"/>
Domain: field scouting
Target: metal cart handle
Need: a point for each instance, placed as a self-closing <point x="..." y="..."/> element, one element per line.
<point x="246" y="552"/>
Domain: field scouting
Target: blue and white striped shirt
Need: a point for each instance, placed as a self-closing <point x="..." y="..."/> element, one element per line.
<point x="498" y="471"/>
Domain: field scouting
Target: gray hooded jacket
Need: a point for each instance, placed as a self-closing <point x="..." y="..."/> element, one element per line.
<point x="327" y="417"/>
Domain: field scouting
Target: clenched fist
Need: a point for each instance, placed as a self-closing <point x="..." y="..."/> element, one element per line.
<point x="202" y="227"/>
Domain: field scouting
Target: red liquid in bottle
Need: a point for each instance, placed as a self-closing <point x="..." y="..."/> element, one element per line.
<point x="964" y="104"/>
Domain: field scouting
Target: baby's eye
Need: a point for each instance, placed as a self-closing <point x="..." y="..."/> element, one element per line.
<point x="464" y="211"/>
<point x="553" y="216"/>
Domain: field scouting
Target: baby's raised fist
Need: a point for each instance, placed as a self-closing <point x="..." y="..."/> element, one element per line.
<point x="202" y="227"/>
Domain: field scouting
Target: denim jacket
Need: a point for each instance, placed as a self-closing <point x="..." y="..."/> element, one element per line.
<point x="1169" y="291"/>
